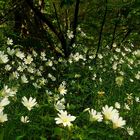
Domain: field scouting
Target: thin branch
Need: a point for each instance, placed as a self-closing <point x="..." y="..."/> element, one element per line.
<point x="75" y="22"/>
<point x="14" y="7"/>
<point x="41" y="16"/>
<point x="48" y="22"/>
<point x="66" y="20"/>
<point x="101" y="32"/>
<point x="127" y="34"/>
<point x="57" y="18"/>
<point x="115" y="28"/>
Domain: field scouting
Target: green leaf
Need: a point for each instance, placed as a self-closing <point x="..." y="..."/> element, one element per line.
<point x="20" y="137"/>
<point x="58" y="131"/>
<point x="1" y="135"/>
<point x="42" y="138"/>
<point x="66" y="2"/>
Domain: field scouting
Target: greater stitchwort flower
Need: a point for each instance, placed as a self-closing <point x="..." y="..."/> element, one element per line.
<point x="24" y="119"/>
<point x="3" y="58"/>
<point x="130" y="131"/>
<point x="109" y="112"/>
<point x="118" y="121"/>
<point x="9" y="41"/>
<point x="64" y="118"/>
<point x="62" y="88"/>
<point x="3" y="117"/>
<point x="29" y="103"/>
<point x="3" y="103"/>
<point x="95" y="116"/>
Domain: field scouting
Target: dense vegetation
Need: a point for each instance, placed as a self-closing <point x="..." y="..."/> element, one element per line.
<point x="69" y="70"/>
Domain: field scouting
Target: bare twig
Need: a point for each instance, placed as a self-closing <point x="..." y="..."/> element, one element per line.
<point x="115" y="28"/>
<point x="75" y="23"/>
<point x="101" y="32"/>
<point x="47" y="21"/>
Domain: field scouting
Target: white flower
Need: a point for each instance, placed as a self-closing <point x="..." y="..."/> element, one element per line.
<point x="24" y="79"/>
<point x="20" y="54"/>
<point x="51" y="77"/>
<point x="100" y="79"/>
<point x="83" y="34"/>
<point x="100" y="56"/>
<point x="95" y="116"/>
<point x="28" y="60"/>
<point x="117" y="105"/>
<point x="86" y="109"/>
<point x="123" y="54"/>
<point x="59" y="106"/>
<point x="62" y="89"/>
<point x="127" y="49"/>
<point x="64" y="118"/>
<point x="70" y="34"/>
<point x="121" y="73"/>
<point x="137" y="76"/>
<point x="130" y="61"/>
<point x="114" y="67"/>
<point x="3" y="117"/>
<point x="129" y="96"/>
<point x="77" y="75"/>
<point x="130" y="131"/>
<point x="29" y="103"/>
<point x="118" y="50"/>
<point x="137" y="53"/>
<point x="43" y="56"/>
<point x="36" y="85"/>
<point x="131" y="80"/>
<point x="118" y="121"/>
<point x="8" y="67"/>
<point x="109" y="112"/>
<point x="34" y="53"/>
<point x="9" y="41"/>
<point x="3" y="103"/>
<point x="15" y="75"/>
<point x="116" y="57"/>
<point x="13" y="91"/>
<point x="41" y="68"/>
<point x="20" y="68"/>
<point x="101" y="93"/>
<point x="3" y="58"/>
<point x="42" y="81"/>
<point x="10" y="51"/>
<point x="56" y="97"/>
<point x="24" y="119"/>
<point x="137" y="99"/>
<point x="126" y="106"/>
<point x="77" y="57"/>
<point x="30" y="70"/>
<point x="38" y="73"/>
<point x="49" y="63"/>
<point x="114" y="45"/>
<point x="119" y="80"/>
<point x="5" y="91"/>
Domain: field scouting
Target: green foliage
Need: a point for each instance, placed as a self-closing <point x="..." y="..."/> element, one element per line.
<point x="87" y="86"/>
<point x="63" y="63"/>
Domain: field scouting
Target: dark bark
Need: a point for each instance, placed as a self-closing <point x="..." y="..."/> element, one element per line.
<point x="101" y="32"/>
<point x="115" y="28"/>
<point x="47" y="21"/>
<point x="75" y="22"/>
